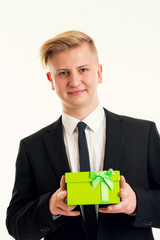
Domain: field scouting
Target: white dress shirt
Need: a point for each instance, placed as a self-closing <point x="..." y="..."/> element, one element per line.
<point x="96" y="139"/>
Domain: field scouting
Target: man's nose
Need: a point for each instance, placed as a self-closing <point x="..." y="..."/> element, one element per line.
<point x="74" y="79"/>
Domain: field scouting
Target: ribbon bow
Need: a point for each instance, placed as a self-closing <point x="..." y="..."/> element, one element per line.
<point x="103" y="177"/>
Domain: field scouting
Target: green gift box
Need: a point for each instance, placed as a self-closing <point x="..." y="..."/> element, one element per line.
<point x="93" y="187"/>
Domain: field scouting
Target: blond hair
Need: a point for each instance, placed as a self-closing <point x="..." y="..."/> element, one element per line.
<point x="64" y="42"/>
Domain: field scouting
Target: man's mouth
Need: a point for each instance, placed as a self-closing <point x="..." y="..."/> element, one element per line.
<point x="76" y="92"/>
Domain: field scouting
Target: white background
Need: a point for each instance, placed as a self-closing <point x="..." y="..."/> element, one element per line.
<point x="127" y="34"/>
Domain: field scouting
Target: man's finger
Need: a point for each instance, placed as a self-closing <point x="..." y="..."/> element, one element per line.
<point x="61" y="195"/>
<point x="62" y="183"/>
<point x="68" y="213"/>
<point x="123" y="194"/>
<point x="110" y="169"/>
<point x="65" y="207"/>
<point x="115" y="208"/>
<point x="122" y="181"/>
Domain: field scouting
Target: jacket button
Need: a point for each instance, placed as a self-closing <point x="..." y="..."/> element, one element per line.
<point x="45" y="229"/>
<point x="147" y="223"/>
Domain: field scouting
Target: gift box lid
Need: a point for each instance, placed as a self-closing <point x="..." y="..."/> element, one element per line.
<point x="75" y="177"/>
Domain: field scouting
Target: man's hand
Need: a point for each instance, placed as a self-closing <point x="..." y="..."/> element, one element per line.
<point x="128" y="200"/>
<point x="57" y="202"/>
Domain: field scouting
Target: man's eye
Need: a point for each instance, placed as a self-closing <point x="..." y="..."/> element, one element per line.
<point x="63" y="73"/>
<point x="83" y="70"/>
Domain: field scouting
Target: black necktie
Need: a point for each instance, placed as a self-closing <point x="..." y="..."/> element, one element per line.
<point x="89" y="210"/>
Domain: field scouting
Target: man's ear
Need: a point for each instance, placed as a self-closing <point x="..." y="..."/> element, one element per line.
<point x="49" y="77"/>
<point x="99" y="73"/>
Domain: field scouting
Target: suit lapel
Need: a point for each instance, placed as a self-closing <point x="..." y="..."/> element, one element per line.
<point x="115" y="133"/>
<point x="55" y="147"/>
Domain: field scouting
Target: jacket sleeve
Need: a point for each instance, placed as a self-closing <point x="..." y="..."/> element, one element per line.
<point x="148" y="200"/>
<point x="28" y="215"/>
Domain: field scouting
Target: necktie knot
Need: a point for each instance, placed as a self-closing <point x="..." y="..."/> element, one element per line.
<point x="81" y="127"/>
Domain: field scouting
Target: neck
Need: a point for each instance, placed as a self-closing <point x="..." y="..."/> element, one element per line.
<point x="80" y="113"/>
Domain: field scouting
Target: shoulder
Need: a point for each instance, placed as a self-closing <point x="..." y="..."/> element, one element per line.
<point x="131" y="122"/>
<point x="42" y="132"/>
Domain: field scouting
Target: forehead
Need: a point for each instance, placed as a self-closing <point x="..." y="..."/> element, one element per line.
<point x="82" y="54"/>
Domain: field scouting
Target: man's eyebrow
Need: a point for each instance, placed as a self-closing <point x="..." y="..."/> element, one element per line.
<point x="66" y="69"/>
<point x="85" y="65"/>
<point x="61" y="69"/>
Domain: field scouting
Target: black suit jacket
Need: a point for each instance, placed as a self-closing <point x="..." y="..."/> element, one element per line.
<point x="132" y="146"/>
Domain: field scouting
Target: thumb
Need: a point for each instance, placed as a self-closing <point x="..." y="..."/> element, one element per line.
<point x="110" y="169"/>
<point x="62" y="183"/>
<point x="123" y="181"/>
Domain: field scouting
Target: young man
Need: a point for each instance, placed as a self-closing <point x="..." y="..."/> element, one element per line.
<point x="38" y="206"/>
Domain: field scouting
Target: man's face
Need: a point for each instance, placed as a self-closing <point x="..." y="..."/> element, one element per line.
<point x="75" y="75"/>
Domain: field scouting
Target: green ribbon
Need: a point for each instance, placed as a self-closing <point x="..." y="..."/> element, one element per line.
<point x="103" y="177"/>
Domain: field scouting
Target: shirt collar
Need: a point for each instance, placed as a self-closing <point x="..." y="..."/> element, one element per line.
<point x="69" y="123"/>
<point x="93" y="120"/>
